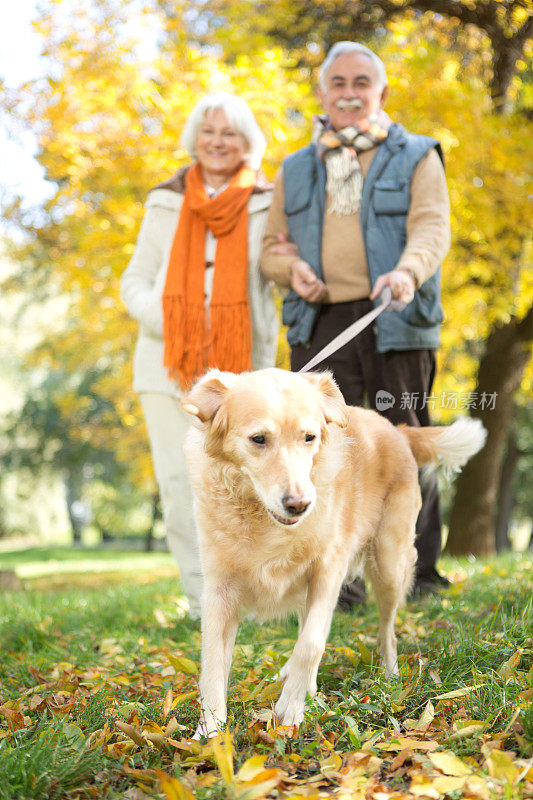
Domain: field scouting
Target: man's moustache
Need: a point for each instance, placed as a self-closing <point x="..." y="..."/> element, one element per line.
<point x="349" y="105"/>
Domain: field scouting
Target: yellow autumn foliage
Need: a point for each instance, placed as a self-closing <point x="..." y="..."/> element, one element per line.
<point x="109" y="120"/>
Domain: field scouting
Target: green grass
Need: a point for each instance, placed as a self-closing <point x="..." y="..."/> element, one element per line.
<point x="47" y="763"/>
<point x="43" y="561"/>
<point x="87" y="646"/>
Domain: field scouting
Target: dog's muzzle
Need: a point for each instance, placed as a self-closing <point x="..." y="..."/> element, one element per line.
<point x="295" y="508"/>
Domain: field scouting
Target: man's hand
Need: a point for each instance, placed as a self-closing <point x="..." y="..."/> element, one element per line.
<point x="401" y="282"/>
<point x="305" y="282"/>
<point x="284" y="246"/>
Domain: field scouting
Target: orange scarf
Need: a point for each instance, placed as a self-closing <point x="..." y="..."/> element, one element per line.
<point x="190" y="348"/>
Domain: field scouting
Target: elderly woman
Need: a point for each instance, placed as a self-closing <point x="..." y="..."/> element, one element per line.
<point x="195" y="287"/>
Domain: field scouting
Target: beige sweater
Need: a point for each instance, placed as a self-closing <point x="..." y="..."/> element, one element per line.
<point x="344" y="261"/>
<point x="143" y="282"/>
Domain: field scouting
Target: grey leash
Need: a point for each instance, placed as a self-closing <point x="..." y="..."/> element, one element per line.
<point x="355" y="328"/>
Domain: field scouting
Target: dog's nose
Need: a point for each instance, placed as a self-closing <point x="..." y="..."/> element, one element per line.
<point x="295" y="506"/>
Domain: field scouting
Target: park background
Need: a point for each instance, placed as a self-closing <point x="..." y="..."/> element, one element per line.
<point x="117" y="80"/>
<point x="98" y="675"/>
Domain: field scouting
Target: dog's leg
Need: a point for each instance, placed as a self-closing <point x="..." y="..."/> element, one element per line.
<point x="219" y="626"/>
<point x="286" y="668"/>
<point x="301" y="669"/>
<point x="390" y="567"/>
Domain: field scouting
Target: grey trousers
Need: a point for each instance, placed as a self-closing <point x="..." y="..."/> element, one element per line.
<point x="167" y="424"/>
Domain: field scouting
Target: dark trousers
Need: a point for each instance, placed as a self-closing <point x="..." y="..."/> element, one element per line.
<point x="397" y="384"/>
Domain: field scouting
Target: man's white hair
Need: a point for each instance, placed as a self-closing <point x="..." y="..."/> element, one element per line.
<point x="239" y="116"/>
<point x="340" y="49"/>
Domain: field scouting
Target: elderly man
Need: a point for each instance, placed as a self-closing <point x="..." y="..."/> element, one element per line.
<point x="362" y="207"/>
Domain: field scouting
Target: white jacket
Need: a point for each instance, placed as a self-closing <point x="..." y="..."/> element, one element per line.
<point x="144" y="279"/>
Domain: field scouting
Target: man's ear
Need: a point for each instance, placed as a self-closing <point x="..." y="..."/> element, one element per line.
<point x="333" y="406"/>
<point x="384" y="95"/>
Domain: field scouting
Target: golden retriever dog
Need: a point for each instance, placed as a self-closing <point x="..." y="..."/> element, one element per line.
<point x="294" y="491"/>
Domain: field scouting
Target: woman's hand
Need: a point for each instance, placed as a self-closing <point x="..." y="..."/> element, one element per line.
<point x="284" y="246"/>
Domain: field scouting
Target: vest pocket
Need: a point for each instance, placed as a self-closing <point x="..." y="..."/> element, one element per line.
<point x="391" y="196"/>
<point x="426" y="308"/>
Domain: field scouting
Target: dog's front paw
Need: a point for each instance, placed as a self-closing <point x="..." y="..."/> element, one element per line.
<point x="290" y="706"/>
<point x="208" y="727"/>
<point x="205" y="732"/>
<point x="284" y="671"/>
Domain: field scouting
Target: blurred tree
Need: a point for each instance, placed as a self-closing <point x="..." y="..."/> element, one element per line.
<point x="109" y="116"/>
<point x="515" y="493"/>
<point x="40" y="438"/>
<point x="308" y="28"/>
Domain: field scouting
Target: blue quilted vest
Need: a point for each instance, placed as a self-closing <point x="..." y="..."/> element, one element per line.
<point x="384" y="207"/>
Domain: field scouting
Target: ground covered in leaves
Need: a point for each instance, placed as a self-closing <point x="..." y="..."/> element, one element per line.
<point x="98" y="694"/>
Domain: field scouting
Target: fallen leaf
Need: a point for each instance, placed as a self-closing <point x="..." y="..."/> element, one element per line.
<point x="15" y="719"/>
<point x="251" y="767"/>
<point x="466" y="732"/>
<point x="223" y="749"/>
<point x="182" y="664"/>
<point x="449" y="763"/>
<point x="447" y="784"/>
<point x="259" y="786"/>
<point x="158" y="740"/>
<point x="152" y="727"/>
<point x="161" y="618"/>
<point x="399" y="760"/>
<point x="421" y="786"/>
<point x="270" y="692"/>
<point x="366" y="654"/>
<point x="426" y="717"/>
<point x="458" y="692"/>
<point x="173" y="788"/>
<point x="263" y="715"/>
<point x="184" y="698"/>
<point x="476" y="786"/>
<point x="435" y="677"/>
<point x="173" y="726"/>
<point x="502" y="767"/>
<point x="404" y="743"/>
<point x="167" y="703"/>
<point x="130" y="731"/>
<point x="330" y="765"/>
<point x="75" y="735"/>
<point x="506" y="669"/>
<point x="37" y="703"/>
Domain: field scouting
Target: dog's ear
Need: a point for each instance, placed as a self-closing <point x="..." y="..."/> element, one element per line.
<point x="333" y="406"/>
<point x="207" y="395"/>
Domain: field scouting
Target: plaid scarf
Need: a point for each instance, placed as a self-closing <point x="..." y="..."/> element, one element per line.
<point x="338" y="152"/>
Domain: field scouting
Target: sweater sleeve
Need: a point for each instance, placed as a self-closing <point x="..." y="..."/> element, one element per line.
<point x="428" y="220"/>
<point x="276" y="267"/>
<point x="142" y="282"/>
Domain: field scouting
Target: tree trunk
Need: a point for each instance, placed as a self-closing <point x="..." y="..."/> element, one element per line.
<point x="506" y="494"/>
<point x="473" y="514"/>
<point x="156" y="514"/>
<point x="73" y="486"/>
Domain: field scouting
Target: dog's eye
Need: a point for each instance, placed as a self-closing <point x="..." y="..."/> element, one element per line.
<point x="310" y="437"/>
<point x="258" y="439"/>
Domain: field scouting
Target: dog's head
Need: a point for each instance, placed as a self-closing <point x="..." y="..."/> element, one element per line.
<point x="271" y="424"/>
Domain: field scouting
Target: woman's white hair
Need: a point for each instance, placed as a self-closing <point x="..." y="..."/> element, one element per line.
<point x="239" y="116"/>
<point x="340" y="49"/>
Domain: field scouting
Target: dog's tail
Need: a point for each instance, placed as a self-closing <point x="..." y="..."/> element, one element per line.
<point x="450" y="445"/>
